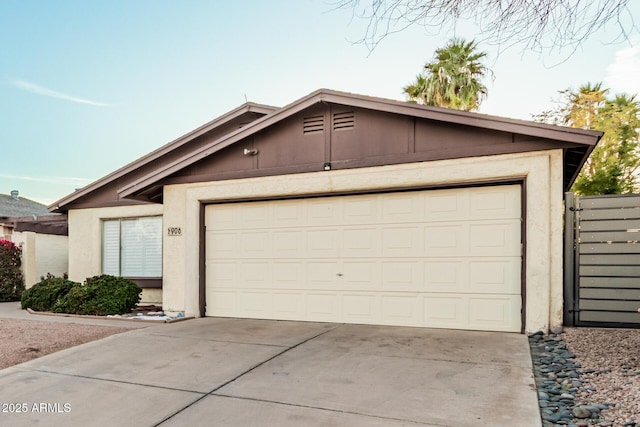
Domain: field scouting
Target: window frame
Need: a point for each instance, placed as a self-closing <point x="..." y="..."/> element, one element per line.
<point x="150" y="281"/>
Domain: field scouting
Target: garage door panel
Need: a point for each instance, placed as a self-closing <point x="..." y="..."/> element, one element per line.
<point x="255" y="215"/>
<point x="359" y="275"/>
<point x="358" y="210"/>
<point x="440" y="258"/>
<point x="497" y="313"/>
<point x="401" y="310"/>
<point x="361" y="308"/>
<point x="323" y="307"/>
<point x="402" y="242"/>
<point x="446" y="205"/>
<point x="495" y="276"/>
<point x="446" y="275"/>
<point x="360" y="242"/>
<point x="256" y="274"/>
<point x="224" y="303"/>
<point x="254" y="245"/>
<point x="495" y="238"/>
<point x="289" y="305"/>
<point x="322" y="274"/>
<point x="402" y="276"/>
<point x="402" y="207"/>
<point x="445" y="311"/>
<point x="495" y="202"/>
<point x="287" y="243"/>
<point x="224" y="217"/>
<point x="446" y="240"/>
<point x="322" y="211"/>
<point x="222" y="245"/>
<point x="323" y="243"/>
<point x="255" y="304"/>
<point x="224" y="274"/>
<point x="289" y="275"/>
<point x="288" y="213"/>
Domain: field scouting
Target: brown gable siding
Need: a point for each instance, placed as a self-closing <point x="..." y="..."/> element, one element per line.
<point x="576" y="143"/>
<point x="285" y="144"/>
<point x="107" y="194"/>
<point x="375" y="134"/>
<point x="279" y="146"/>
<point x="376" y="138"/>
<point x="327" y="130"/>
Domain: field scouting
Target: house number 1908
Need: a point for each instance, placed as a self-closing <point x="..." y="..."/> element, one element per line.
<point x="174" y="231"/>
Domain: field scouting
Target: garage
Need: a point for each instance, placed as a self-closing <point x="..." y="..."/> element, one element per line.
<point x="353" y="209"/>
<point x="447" y="258"/>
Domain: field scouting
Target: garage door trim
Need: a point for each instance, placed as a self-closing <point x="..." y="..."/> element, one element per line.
<point x="520" y="182"/>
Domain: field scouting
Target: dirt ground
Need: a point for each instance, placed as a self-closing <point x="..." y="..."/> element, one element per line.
<point x="23" y="340"/>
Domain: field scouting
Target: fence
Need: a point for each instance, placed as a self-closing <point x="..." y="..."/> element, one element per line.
<point x="602" y="260"/>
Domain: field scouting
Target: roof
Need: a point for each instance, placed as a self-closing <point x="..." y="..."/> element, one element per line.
<point x="584" y="140"/>
<point x="165" y="149"/>
<point x="587" y="138"/>
<point x="20" y="207"/>
<point x="54" y="224"/>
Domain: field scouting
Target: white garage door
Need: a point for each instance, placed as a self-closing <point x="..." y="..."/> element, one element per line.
<point x="437" y="258"/>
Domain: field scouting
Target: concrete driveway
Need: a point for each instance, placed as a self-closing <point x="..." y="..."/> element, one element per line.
<point x="240" y="372"/>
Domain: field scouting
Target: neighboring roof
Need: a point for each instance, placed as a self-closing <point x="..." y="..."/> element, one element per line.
<point x="20" y="206"/>
<point x="156" y="154"/>
<point x="573" y="161"/>
<point x="54" y="224"/>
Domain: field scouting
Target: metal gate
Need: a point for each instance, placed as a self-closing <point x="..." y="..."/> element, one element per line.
<point x="602" y="260"/>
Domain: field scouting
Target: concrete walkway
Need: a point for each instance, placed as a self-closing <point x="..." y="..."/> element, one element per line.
<point x="240" y="372"/>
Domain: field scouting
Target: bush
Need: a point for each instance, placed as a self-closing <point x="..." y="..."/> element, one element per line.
<point x="11" y="280"/>
<point x="44" y="295"/>
<point x="100" y="295"/>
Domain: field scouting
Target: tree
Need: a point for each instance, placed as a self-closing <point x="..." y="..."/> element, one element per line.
<point x="611" y="167"/>
<point x="452" y="79"/>
<point x="538" y="25"/>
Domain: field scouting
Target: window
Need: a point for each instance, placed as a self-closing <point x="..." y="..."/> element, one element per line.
<point x="132" y="247"/>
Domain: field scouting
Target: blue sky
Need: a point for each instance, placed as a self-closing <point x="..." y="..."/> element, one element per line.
<point x="87" y="87"/>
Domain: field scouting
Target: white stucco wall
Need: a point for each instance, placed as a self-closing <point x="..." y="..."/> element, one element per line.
<point x="541" y="170"/>
<point x="42" y="254"/>
<point x="151" y="296"/>
<point x="85" y="236"/>
<point x="52" y="255"/>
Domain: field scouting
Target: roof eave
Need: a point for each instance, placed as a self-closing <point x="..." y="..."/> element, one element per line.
<point x="578" y="136"/>
<point x="221" y="143"/>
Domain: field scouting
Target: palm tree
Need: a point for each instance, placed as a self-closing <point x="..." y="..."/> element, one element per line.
<point x="453" y="79"/>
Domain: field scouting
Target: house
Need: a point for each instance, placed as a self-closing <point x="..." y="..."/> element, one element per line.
<point x="41" y="235"/>
<point x="342" y="208"/>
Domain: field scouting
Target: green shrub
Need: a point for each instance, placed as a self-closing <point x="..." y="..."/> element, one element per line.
<point x="45" y="294"/>
<point x="100" y="295"/>
<point x="11" y="280"/>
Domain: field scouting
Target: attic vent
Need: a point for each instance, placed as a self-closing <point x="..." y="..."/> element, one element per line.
<point x="313" y="124"/>
<point x="344" y="120"/>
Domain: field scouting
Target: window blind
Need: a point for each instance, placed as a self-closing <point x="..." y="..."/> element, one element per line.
<point x="138" y="252"/>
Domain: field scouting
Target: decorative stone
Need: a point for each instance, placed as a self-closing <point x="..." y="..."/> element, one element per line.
<point x="559" y="384"/>
<point x="581" y="412"/>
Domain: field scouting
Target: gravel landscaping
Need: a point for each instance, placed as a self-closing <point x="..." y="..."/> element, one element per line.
<point x="588" y="377"/>
<point x="23" y="340"/>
